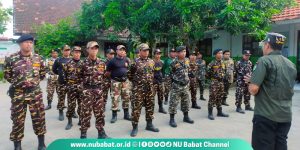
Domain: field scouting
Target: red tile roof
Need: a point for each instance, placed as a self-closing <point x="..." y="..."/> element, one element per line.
<point x="288" y="13"/>
<point x="28" y="13"/>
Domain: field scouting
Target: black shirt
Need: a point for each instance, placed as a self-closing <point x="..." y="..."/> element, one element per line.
<point x="118" y="67"/>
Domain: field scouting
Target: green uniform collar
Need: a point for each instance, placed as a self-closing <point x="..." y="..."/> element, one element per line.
<point x="275" y="52"/>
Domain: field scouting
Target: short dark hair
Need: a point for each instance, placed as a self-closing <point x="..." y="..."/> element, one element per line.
<point x="226" y="51"/>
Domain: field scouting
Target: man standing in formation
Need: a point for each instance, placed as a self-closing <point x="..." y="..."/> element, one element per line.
<point x="117" y="69"/>
<point x="52" y="83"/>
<point x="24" y="71"/>
<point x="216" y="73"/>
<point x="201" y="74"/>
<point x="141" y="74"/>
<point x="158" y="80"/>
<point x="243" y="67"/>
<point x="228" y="80"/>
<point x="180" y="87"/>
<point x="193" y="80"/>
<point x="166" y="72"/>
<point x="58" y="68"/>
<point x="110" y="54"/>
<point x="73" y="77"/>
<point x="93" y="70"/>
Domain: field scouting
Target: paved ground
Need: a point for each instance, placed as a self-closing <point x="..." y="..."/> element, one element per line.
<point x="236" y="126"/>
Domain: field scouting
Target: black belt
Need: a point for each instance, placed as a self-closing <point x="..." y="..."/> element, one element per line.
<point x="91" y="86"/>
<point x="120" y="79"/>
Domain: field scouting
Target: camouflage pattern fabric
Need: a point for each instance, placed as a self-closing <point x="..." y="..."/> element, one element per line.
<point x="120" y="90"/>
<point x="193" y="80"/>
<point x="242" y="68"/>
<point x="201" y="73"/>
<point x="158" y="81"/>
<point x="52" y="82"/>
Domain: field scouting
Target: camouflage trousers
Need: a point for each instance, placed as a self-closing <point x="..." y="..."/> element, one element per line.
<point x="201" y="84"/>
<point x="193" y="89"/>
<point x="142" y="97"/>
<point x="61" y="93"/>
<point x="179" y="94"/>
<point x="216" y="93"/>
<point x="226" y="88"/>
<point x="106" y="89"/>
<point x="120" y="90"/>
<point x="52" y="85"/>
<point x="167" y="85"/>
<point x="159" y="89"/>
<point x="92" y="102"/>
<point x="34" y="100"/>
<point x="242" y="90"/>
<point x="74" y="95"/>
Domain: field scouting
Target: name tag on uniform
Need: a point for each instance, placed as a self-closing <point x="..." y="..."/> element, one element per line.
<point x="101" y="68"/>
<point x="36" y="65"/>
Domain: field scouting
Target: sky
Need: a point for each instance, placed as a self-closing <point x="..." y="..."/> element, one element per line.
<point x="9" y="32"/>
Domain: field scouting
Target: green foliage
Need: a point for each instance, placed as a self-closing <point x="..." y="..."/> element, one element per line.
<point x="4" y="17"/>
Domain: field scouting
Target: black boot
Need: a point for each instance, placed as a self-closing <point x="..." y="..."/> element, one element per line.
<point x="61" y="115"/>
<point x="186" y="118"/>
<point x="42" y="145"/>
<point x="79" y="122"/>
<point x="151" y="127"/>
<point x="134" y="130"/>
<point x="166" y="99"/>
<point x="126" y="114"/>
<point x="249" y="108"/>
<point x="202" y="98"/>
<point x="49" y="105"/>
<point x="102" y="134"/>
<point x="17" y="145"/>
<point x="224" y="102"/>
<point x="221" y="114"/>
<point x="239" y="109"/>
<point x="210" y="113"/>
<point x="75" y="115"/>
<point x="83" y="134"/>
<point x="172" y="122"/>
<point x="114" y="116"/>
<point x="195" y="105"/>
<point x="161" y="109"/>
<point x="70" y="124"/>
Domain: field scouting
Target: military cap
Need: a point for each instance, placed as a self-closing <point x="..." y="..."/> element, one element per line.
<point x="92" y="44"/>
<point x="193" y="53"/>
<point x="225" y="51"/>
<point x="198" y="53"/>
<point x="276" y="40"/>
<point x="121" y="47"/>
<point x="180" y="48"/>
<point x="157" y="51"/>
<point x="66" y="47"/>
<point x="55" y="50"/>
<point x="246" y="52"/>
<point x="172" y="50"/>
<point x="217" y="51"/>
<point x="143" y="47"/>
<point x="77" y="48"/>
<point x="110" y="51"/>
<point x="25" y="37"/>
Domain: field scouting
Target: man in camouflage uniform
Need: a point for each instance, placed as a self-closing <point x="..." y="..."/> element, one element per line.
<point x="166" y="73"/>
<point x="216" y="73"/>
<point x="110" y="54"/>
<point x="180" y="86"/>
<point x="58" y="66"/>
<point x="141" y="74"/>
<point x="158" y="80"/>
<point x="24" y="70"/>
<point x="52" y="82"/>
<point x="117" y="69"/>
<point x="93" y="70"/>
<point x="228" y="80"/>
<point x="193" y="80"/>
<point x="243" y="67"/>
<point x="73" y="77"/>
<point x="201" y="74"/>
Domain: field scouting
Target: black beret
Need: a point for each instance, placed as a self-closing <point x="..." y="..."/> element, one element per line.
<point x="217" y="51"/>
<point x="25" y="37"/>
<point x="108" y="51"/>
<point x="180" y="48"/>
<point x="275" y="39"/>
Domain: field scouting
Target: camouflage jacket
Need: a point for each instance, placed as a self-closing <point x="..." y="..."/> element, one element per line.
<point x="24" y="72"/>
<point x="49" y="66"/>
<point x="201" y="72"/>
<point x="141" y="72"/>
<point x="93" y="73"/>
<point x="180" y="71"/>
<point x="229" y="64"/>
<point x="216" y="70"/>
<point x="158" y="75"/>
<point x="242" y="68"/>
<point x="73" y="74"/>
<point x="193" y="69"/>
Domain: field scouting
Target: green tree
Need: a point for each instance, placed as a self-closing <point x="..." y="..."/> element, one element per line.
<point x="4" y="17"/>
